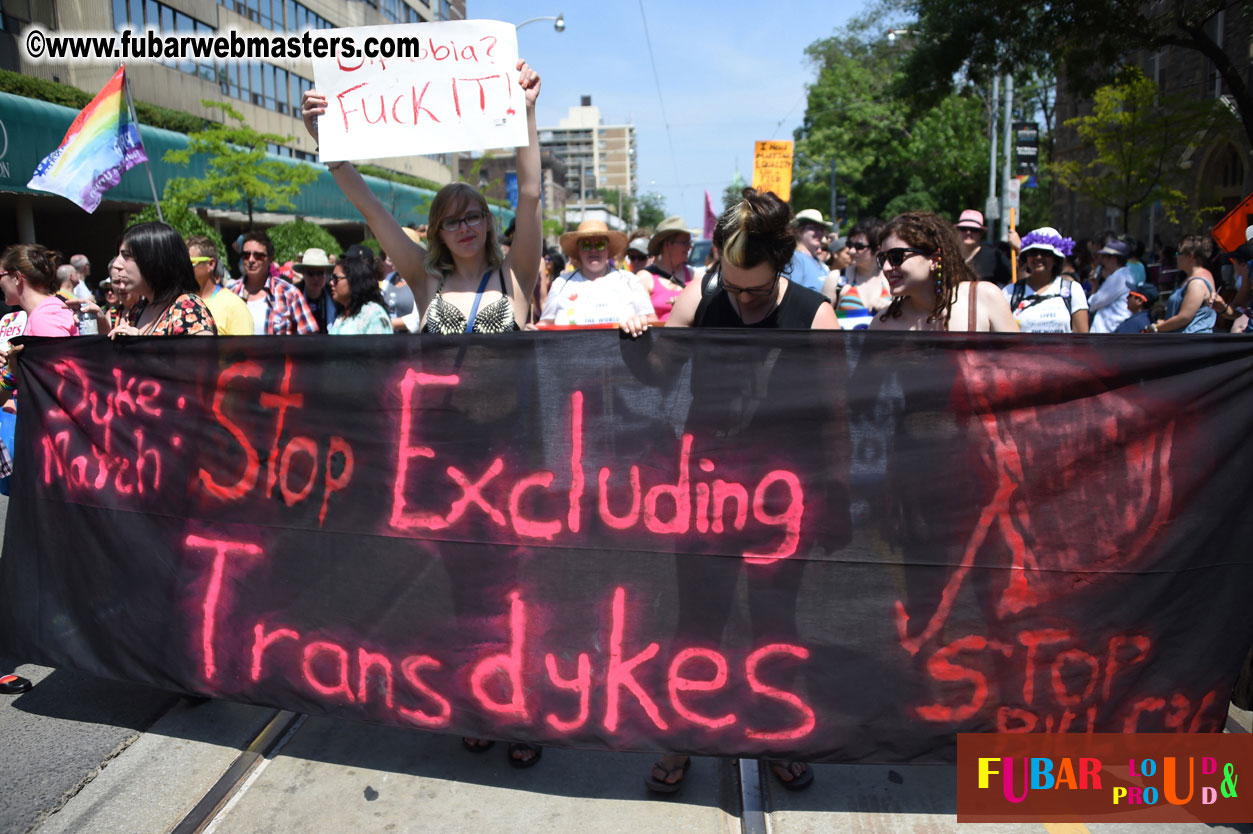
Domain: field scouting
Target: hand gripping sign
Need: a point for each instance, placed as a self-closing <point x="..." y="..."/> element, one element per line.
<point x="454" y="89"/>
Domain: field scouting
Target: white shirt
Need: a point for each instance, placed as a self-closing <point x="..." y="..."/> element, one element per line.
<point x="1109" y="303"/>
<point x="260" y="310"/>
<point x="1048" y="313"/>
<point x="575" y="300"/>
<point x="81" y="290"/>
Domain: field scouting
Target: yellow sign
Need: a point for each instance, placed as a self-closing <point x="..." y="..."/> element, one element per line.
<point x="772" y="168"/>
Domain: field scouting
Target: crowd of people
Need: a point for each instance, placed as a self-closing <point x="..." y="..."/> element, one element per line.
<point x="767" y="268"/>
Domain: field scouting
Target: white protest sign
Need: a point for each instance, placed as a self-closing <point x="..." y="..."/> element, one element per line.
<point x="460" y="93"/>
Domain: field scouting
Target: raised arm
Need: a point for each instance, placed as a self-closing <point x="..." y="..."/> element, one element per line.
<point x="527" y="247"/>
<point x="406" y="255"/>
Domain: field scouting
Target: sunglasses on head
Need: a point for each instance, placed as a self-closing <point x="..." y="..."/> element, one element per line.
<point x="898" y="256"/>
<point x="593" y="245"/>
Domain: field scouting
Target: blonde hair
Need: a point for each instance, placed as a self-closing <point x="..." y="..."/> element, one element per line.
<point x="458" y="194"/>
<point x="756" y="230"/>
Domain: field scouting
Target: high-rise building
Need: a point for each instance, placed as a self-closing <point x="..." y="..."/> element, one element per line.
<point x="596" y="155"/>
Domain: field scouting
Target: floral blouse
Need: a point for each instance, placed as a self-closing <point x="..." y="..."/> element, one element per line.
<point x="371" y="319"/>
<point x="187" y="316"/>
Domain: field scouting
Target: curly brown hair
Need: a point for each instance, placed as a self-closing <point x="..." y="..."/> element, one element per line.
<point x="935" y="236"/>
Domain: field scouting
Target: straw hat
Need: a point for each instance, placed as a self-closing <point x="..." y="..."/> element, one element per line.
<point x="593" y="228"/>
<point x="666" y="229"/>
<point x="315" y="258"/>
<point x="809" y="216"/>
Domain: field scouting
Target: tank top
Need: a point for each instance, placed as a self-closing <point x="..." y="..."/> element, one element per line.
<point x="445" y="318"/>
<point x="1205" y="318"/>
<point x="662" y="298"/>
<point x="795" y="311"/>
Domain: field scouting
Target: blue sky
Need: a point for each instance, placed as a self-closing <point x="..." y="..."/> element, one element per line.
<point x="730" y="72"/>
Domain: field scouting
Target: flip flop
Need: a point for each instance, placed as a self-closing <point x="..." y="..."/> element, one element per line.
<point x="660" y="785"/>
<point x="477" y="745"/>
<point x="796" y="783"/>
<point x="14" y="685"/>
<point x="516" y="747"/>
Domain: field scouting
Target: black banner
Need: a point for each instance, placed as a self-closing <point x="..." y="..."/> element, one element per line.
<point x="836" y="547"/>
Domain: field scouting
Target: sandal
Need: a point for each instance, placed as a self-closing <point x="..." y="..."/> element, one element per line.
<point x="14" y="685"/>
<point x="477" y="745"/>
<point x="795" y="782"/>
<point x="662" y="785"/>
<point x="519" y="747"/>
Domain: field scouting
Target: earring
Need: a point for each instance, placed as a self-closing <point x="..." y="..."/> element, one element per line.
<point x="939" y="275"/>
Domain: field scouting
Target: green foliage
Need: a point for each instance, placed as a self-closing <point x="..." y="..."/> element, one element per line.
<point x="1086" y="39"/>
<point x="1132" y="134"/>
<point x="610" y="196"/>
<point x="239" y="169"/>
<point x="183" y="218"/>
<point x="652" y="210"/>
<point x="888" y="160"/>
<point x="292" y="238"/>
<point x="150" y="115"/>
<point x="553" y="227"/>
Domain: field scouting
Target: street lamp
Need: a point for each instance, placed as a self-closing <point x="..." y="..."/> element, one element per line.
<point x="893" y="33"/>
<point x="559" y="22"/>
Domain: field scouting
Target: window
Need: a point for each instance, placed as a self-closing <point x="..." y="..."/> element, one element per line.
<point x="121" y="15"/>
<point x="445" y="10"/>
<point x="391" y="10"/>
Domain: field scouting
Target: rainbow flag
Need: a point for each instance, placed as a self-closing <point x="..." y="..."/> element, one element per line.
<point x="101" y="145"/>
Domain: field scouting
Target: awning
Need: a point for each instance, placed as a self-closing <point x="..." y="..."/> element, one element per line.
<point x="31" y="129"/>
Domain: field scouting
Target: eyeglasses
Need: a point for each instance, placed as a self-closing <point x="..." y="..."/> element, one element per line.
<point x="200" y="259"/>
<point x="857" y="246"/>
<point x="333" y="278"/>
<point x="472" y="219"/>
<point x="254" y="256"/>
<point x="593" y="245"/>
<point x="897" y="256"/>
<point x="756" y="292"/>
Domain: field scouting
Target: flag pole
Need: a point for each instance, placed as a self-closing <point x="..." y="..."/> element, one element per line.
<point x="130" y="107"/>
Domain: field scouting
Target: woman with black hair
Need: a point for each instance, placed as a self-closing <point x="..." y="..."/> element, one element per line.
<point x="355" y="288"/>
<point x="155" y="267"/>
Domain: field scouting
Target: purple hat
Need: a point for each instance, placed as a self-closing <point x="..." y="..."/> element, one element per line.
<point x="971" y="219"/>
<point x="1116" y="247"/>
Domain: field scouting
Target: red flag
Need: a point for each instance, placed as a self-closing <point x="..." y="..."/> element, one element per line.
<point x="1229" y="233"/>
<point x="710" y="218"/>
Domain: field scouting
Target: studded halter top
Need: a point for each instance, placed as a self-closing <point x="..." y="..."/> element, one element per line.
<point x="445" y="318"/>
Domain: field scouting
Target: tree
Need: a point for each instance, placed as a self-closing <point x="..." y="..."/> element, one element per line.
<point x="183" y="218"/>
<point x="238" y="171"/>
<point x="887" y="158"/>
<point x="292" y="238"/>
<point x="1133" y="134"/>
<point x="617" y="202"/>
<point x="652" y="210"/>
<point x="1089" y="39"/>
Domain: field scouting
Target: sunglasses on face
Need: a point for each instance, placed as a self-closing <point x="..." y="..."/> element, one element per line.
<point x="251" y="256"/>
<point x="756" y="292"/>
<point x="200" y="259"/>
<point x="898" y="256"/>
<point x="472" y="219"/>
<point x="593" y="245"/>
<point x="857" y="246"/>
<point x="634" y="257"/>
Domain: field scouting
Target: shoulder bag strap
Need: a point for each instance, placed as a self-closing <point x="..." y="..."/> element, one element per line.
<point x="478" y="299"/>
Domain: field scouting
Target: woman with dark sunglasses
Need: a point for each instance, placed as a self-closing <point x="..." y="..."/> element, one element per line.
<point x="861" y="286"/>
<point x="932" y="286"/>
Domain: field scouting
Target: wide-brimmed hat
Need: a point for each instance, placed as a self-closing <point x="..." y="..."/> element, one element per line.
<point x="971" y="219"/>
<point x="666" y="229"/>
<point x="1115" y="247"/>
<point x="593" y="228"/>
<point x="808" y="216"/>
<point x="1047" y="239"/>
<point x="314" y="259"/>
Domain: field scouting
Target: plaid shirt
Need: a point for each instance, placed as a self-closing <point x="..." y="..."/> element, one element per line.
<point x="288" y="311"/>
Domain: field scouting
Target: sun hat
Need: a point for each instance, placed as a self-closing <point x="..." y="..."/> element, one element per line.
<point x="971" y="219"/>
<point x="313" y="259"/>
<point x="666" y="229"/>
<point x="1116" y="248"/>
<point x="640" y="245"/>
<point x="593" y="228"/>
<point x="1047" y="239"/>
<point x="808" y="216"/>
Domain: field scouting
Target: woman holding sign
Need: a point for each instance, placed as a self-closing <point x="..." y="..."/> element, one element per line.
<point x="462" y="280"/>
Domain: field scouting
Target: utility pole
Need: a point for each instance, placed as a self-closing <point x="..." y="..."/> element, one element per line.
<point x="992" y="208"/>
<point x="1009" y="150"/>
<point x="831" y="216"/>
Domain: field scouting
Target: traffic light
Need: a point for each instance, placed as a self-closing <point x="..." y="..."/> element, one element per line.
<point x="1026" y="149"/>
<point x="841" y="207"/>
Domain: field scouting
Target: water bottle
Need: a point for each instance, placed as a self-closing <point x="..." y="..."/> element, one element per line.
<point x="87" y="325"/>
